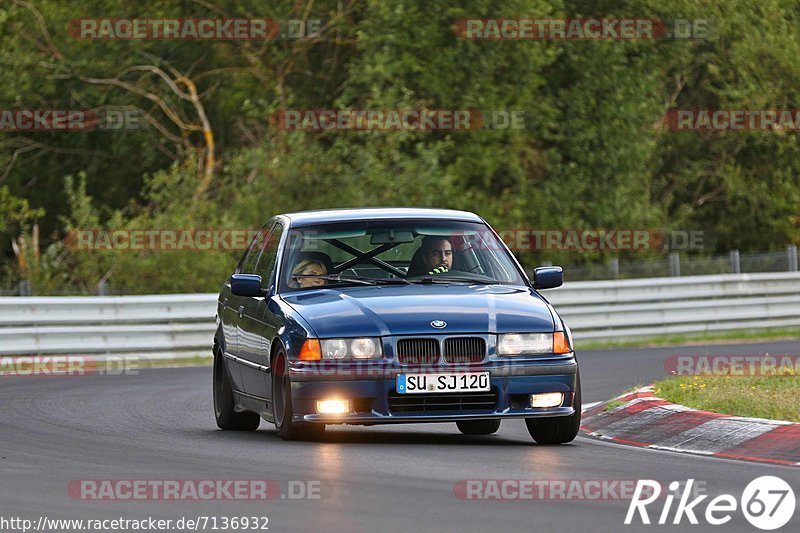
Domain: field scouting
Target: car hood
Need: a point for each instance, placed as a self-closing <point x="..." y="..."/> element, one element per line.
<point x="409" y="310"/>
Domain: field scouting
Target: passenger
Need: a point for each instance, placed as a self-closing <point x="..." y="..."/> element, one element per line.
<point x="437" y="253"/>
<point x="308" y="267"/>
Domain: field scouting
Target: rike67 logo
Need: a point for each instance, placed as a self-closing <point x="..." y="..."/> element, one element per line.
<point x="767" y="502"/>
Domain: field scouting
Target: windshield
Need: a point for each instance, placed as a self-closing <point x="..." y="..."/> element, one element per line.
<point x="395" y="252"/>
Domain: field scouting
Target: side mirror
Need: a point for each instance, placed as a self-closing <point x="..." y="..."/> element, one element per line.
<point x="548" y="277"/>
<point x="246" y="285"/>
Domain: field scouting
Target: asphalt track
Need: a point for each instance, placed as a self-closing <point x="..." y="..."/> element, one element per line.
<point x="158" y="424"/>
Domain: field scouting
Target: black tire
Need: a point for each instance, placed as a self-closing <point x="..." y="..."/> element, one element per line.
<point x="558" y="430"/>
<point x="478" y="427"/>
<point x="227" y="418"/>
<point x="282" y="412"/>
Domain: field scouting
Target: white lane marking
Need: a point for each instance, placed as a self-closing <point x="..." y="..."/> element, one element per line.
<point x="590" y="405"/>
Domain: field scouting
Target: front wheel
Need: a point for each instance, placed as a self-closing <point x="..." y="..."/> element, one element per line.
<point x="558" y="430"/>
<point x="478" y="427"/>
<point x="227" y="418"/>
<point x="282" y="412"/>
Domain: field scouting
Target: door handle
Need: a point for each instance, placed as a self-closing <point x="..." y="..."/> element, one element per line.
<point x="241" y="311"/>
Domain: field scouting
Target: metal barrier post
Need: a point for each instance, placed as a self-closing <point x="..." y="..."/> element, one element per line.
<point x="736" y="265"/>
<point x="791" y="250"/>
<point x="674" y="264"/>
<point x="25" y="287"/>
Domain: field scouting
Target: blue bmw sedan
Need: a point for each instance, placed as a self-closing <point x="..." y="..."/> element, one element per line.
<point x="391" y="315"/>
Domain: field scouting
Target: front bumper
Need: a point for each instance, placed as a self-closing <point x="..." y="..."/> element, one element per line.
<point x="370" y="388"/>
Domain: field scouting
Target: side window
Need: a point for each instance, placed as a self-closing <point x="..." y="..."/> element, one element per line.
<point x="269" y="255"/>
<point x="248" y="263"/>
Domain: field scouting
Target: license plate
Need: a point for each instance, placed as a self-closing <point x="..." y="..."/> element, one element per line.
<point x="457" y="382"/>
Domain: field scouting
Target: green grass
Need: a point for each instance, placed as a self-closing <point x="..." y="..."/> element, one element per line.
<point x="768" y="334"/>
<point x="198" y="360"/>
<point x="774" y="397"/>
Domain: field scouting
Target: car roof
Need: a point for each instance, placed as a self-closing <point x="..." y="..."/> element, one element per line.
<point x="322" y="216"/>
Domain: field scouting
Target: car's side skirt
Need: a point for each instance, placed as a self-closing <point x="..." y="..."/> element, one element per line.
<point x="255" y="404"/>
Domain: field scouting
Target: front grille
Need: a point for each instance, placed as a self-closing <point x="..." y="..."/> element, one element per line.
<point x="464" y="349"/>
<point x="417" y="351"/>
<point x="433" y="403"/>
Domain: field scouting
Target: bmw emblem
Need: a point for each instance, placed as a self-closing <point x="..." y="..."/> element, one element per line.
<point x="439" y="324"/>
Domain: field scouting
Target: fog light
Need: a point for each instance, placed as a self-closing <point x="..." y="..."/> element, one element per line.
<point x="333" y="407"/>
<point x="547" y="399"/>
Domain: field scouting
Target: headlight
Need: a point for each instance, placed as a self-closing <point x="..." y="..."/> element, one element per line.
<point x="361" y="348"/>
<point x="333" y="348"/>
<point x="524" y="343"/>
<point x="364" y="348"/>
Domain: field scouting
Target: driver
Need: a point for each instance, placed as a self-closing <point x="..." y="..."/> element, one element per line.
<point x="437" y="253"/>
<point x="308" y="267"/>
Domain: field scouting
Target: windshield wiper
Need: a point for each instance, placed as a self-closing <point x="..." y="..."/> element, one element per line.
<point x="334" y="277"/>
<point x="444" y="279"/>
<point x="390" y="281"/>
<point x="362" y="280"/>
<point x="379" y="281"/>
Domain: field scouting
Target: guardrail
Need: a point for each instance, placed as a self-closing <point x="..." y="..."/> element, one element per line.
<point x="658" y="306"/>
<point x="182" y="325"/>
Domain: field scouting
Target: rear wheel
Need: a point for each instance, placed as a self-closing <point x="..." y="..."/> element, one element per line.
<point x="282" y="412"/>
<point x="224" y="412"/>
<point x="558" y="430"/>
<point x="478" y="427"/>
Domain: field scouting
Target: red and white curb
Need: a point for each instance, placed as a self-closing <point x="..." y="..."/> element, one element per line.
<point x="647" y="421"/>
